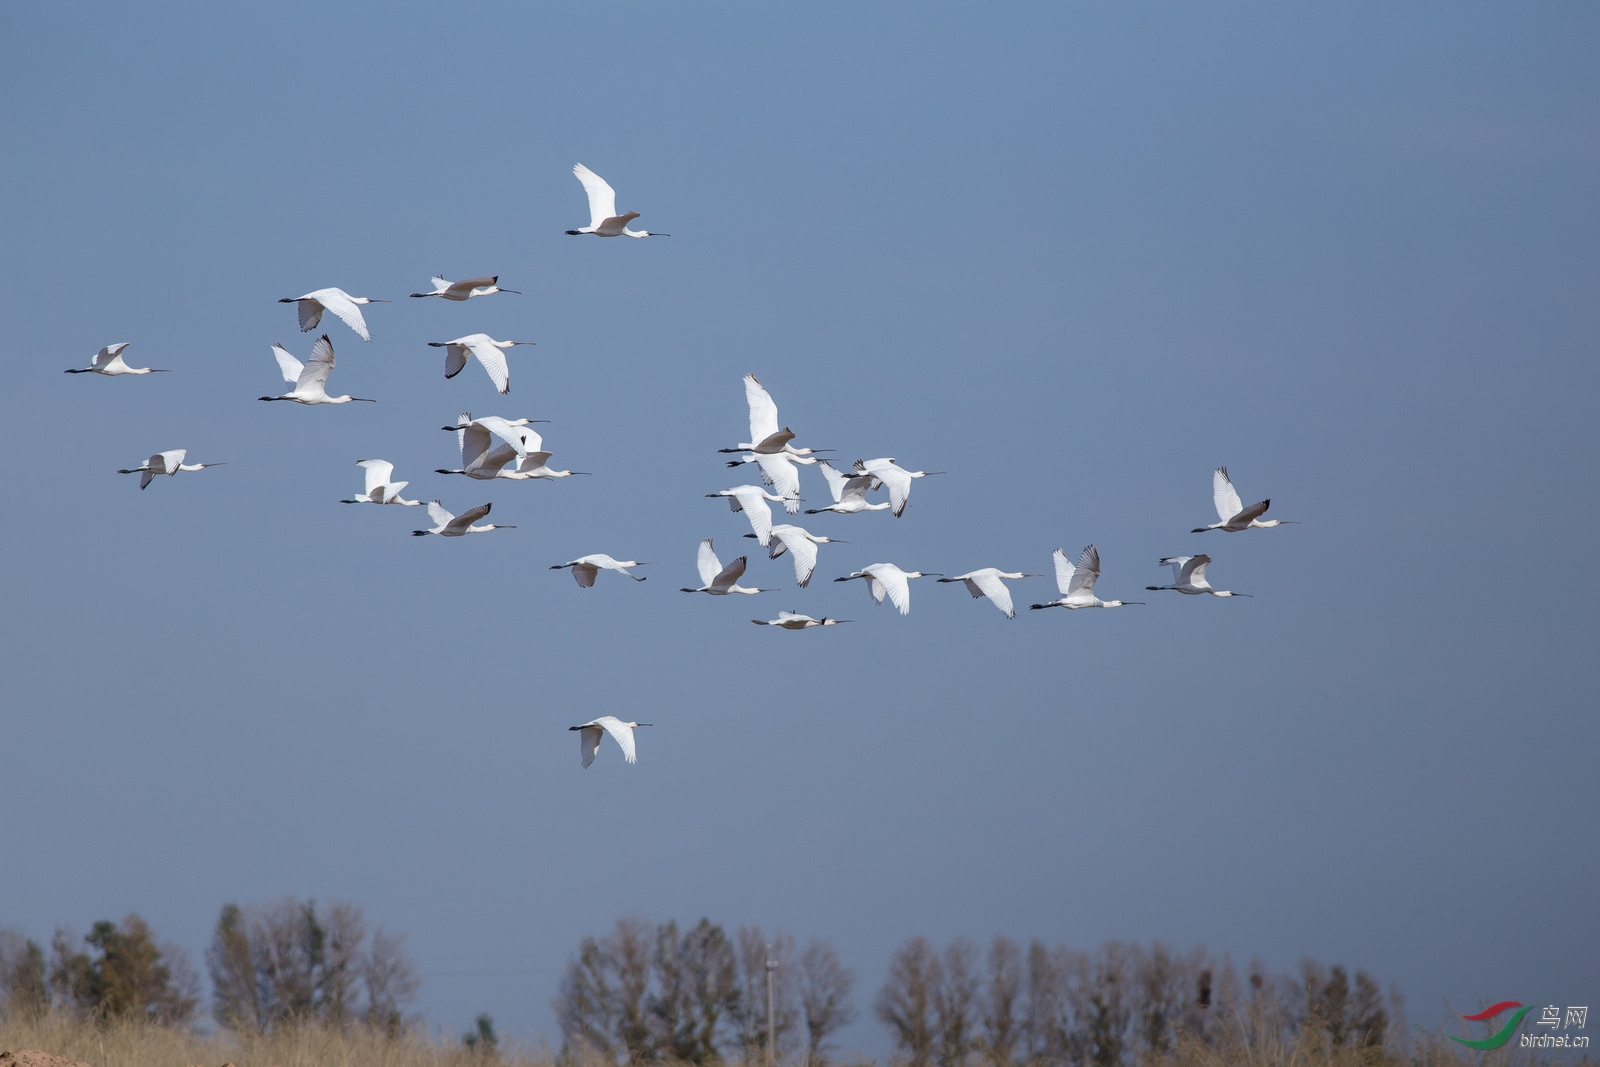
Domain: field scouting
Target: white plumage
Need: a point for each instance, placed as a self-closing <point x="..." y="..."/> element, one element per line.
<point x="592" y="731"/>
<point x="342" y="304"/>
<point x="603" y="218"/>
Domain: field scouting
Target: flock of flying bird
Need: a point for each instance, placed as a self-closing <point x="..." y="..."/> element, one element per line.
<point x="493" y="448"/>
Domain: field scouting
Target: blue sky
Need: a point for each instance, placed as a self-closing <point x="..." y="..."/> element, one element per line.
<point x="1075" y="256"/>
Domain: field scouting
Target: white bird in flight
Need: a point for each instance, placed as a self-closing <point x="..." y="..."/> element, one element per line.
<point x="595" y="729"/>
<point x="310" y="379"/>
<point x="898" y="479"/>
<point x="448" y="525"/>
<point x="790" y="620"/>
<point x="481" y="457"/>
<point x="849" y="491"/>
<point x="169" y="463"/>
<point x="800" y="544"/>
<point x="752" y="500"/>
<point x="467" y="288"/>
<point x="586" y="568"/>
<point x="885" y="578"/>
<point x="380" y="490"/>
<point x="765" y="437"/>
<point x="347" y="307"/>
<point x="777" y="470"/>
<point x="109" y="361"/>
<point x="987" y="583"/>
<point x="1233" y="515"/>
<point x="603" y="218"/>
<point x="488" y="351"/>
<point x="1189" y="577"/>
<point x="1077" y="583"/>
<point x="717" y="579"/>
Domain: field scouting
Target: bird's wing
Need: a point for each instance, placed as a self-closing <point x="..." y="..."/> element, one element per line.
<point x="290" y="366"/>
<point x="782" y="476"/>
<point x="108" y="355"/>
<point x="622" y="733"/>
<point x="1086" y="573"/>
<point x="804" y="551"/>
<point x="875" y="587"/>
<point x="533" y="461"/>
<point x="1064" y="571"/>
<point x="146" y="477"/>
<point x="584" y="574"/>
<point x="1253" y="512"/>
<point x="837" y="480"/>
<point x="389" y="493"/>
<point x="988" y="583"/>
<point x="466" y="285"/>
<point x="589" y="742"/>
<point x="707" y="562"/>
<point x="494" y="361"/>
<point x="895" y="584"/>
<point x="470" y="516"/>
<point x="310" y="311"/>
<point x="1224" y="495"/>
<point x="378" y="473"/>
<point x="755" y="509"/>
<point x="763" y="412"/>
<point x="455" y="357"/>
<point x="440" y="283"/>
<point x="602" y="198"/>
<point x="531" y="441"/>
<point x="494" y="459"/>
<point x="438" y="514"/>
<point x="1194" y="572"/>
<point x="501" y="428"/>
<point x="729" y="574"/>
<point x="1176" y="563"/>
<point x="899" y="483"/>
<point x="168" y="461"/>
<point x="318" y="366"/>
<point x="342" y="306"/>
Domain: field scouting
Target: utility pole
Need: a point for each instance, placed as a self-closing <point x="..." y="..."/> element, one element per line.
<point x="772" y="1031"/>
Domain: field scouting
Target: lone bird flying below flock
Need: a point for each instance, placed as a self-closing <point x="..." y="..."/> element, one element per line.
<point x="380" y="490"/>
<point x="310" y="379"/>
<point x="448" y="525"/>
<point x="603" y="218"/>
<point x="802" y="545"/>
<point x="790" y="620"/>
<point x="1189" y="577"/>
<point x="752" y="500"/>
<point x="765" y="437"/>
<point x="347" y="307"/>
<point x="595" y="729"/>
<point x="108" y="361"/>
<point x="885" y="578"/>
<point x="168" y="463"/>
<point x="466" y="289"/>
<point x="488" y="351"/>
<point x="1233" y="515"/>
<point x="987" y="583"/>
<point x="718" y="580"/>
<point x="1077" y="583"/>
<point x="849" y="491"/>
<point x="898" y="479"/>
<point x="586" y="568"/>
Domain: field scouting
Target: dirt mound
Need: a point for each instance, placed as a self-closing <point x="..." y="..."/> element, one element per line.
<point x="33" y="1057"/>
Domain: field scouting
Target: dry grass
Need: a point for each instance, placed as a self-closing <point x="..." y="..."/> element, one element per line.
<point x="136" y="1044"/>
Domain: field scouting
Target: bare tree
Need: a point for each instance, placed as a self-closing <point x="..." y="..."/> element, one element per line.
<point x="282" y="962"/>
<point x="24" y="978"/>
<point x="586" y="1003"/>
<point x="1001" y="1026"/>
<point x="749" y="1013"/>
<point x="708" y="960"/>
<point x="905" y="1003"/>
<point x="825" y="987"/>
<point x="1047" y="1022"/>
<point x="955" y="1003"/>
<point x="629" y="950"/>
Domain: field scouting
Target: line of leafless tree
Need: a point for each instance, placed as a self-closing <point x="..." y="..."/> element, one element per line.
<point x="657" y="993"/>
<point x="1053" y="1006"/>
